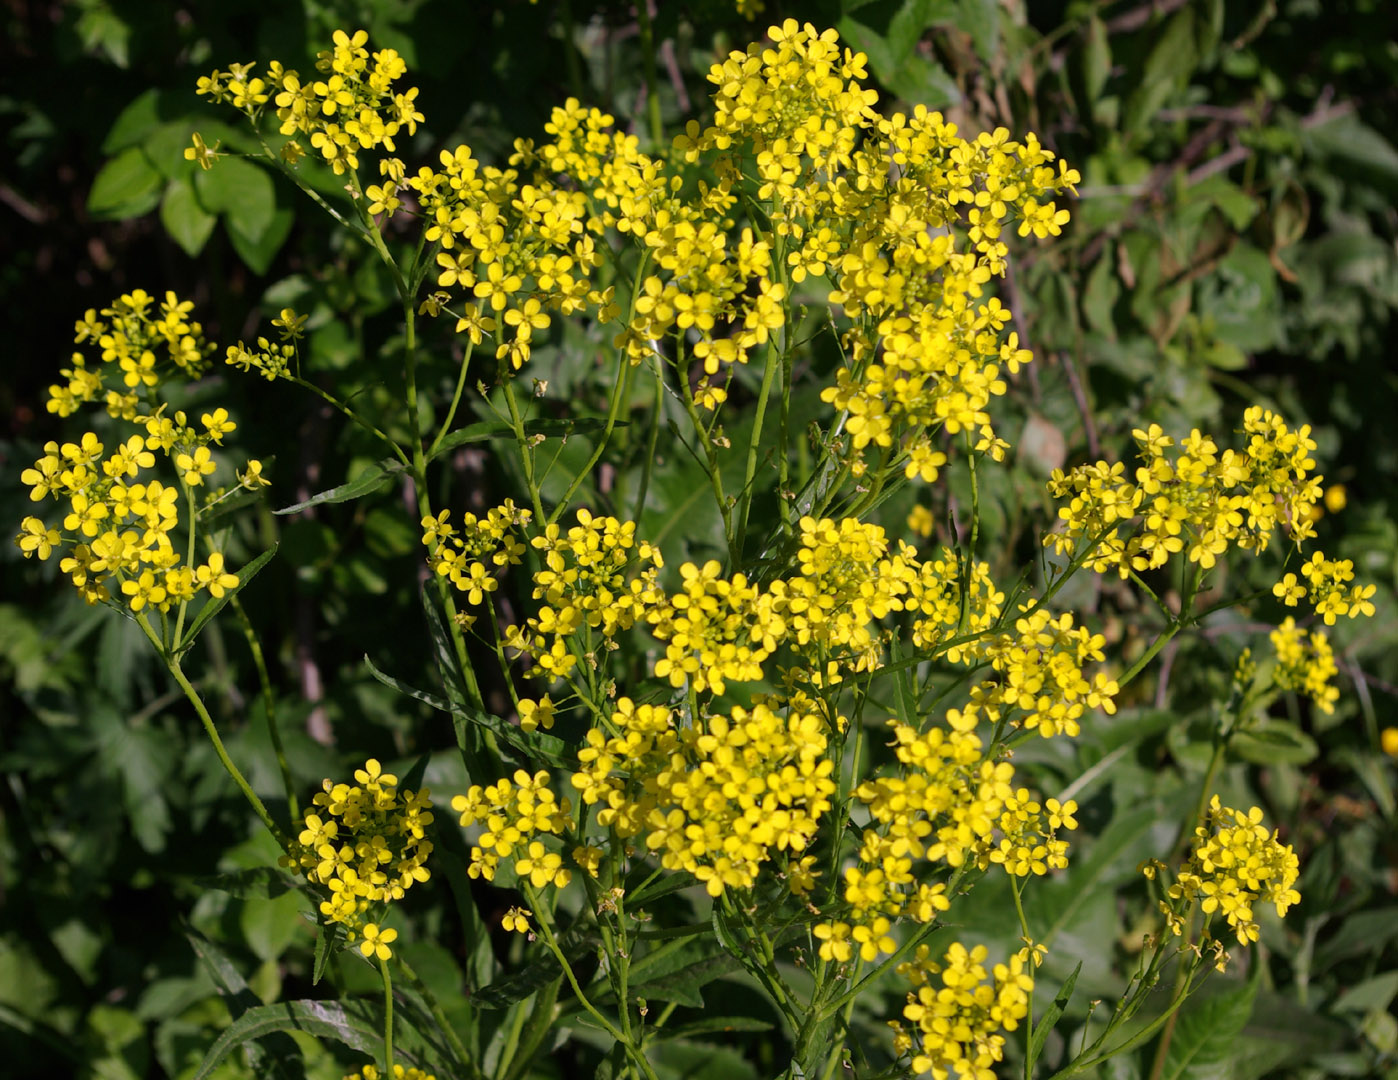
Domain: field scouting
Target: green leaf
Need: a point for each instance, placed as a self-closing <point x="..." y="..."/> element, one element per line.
<point x="270" y="926"/>
<point x="188" y="223"/>
<point x="351" y="1023"/>
<point x="1167" y="69"/>
<point x="537" y="746"/>
<point x="495" y="429"/>
<point x="503" y="993"/>
<point x="243" y="193"/>
<point x="126" y="187"/>
<point x="264" y="882"/>
<point x="408" y="691"/>
<point x="702" y="1061"/>
<point x="1361" y="932"/>
<point x="1274" y="742"/>
<point x="1354" y="143"/>
<point x="225" y="975"/>
<point x="661" y="886"/>
<point x="375" y="478"/>
<point x="258" y="251"/>
<point x="328" y="941"/>
<point x="1207" y="1028"/>
<point x="140" y="117"/>
<point x="215" y="604"/>
<point x="1375" y="993"/>
<point x="685" y="972"/>
<point x="1096" y="59"/>
<point x="711" y="1024"/>
<point x="1045" y="1023"/>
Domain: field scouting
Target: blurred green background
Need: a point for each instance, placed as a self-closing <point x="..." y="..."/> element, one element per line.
<point x="1234" y="244"/>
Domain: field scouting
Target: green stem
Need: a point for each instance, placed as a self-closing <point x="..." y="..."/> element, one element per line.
<point x="209" y="727"/>
<point x="648" y="460"/>
<point x="784" y="438"/>
<point x="769" y="372"/>
<point x="551" y="942"/>
<point x="619" y="389"/>
<point x="1015" y="886"/>
<point x="332" y="400"/>
<point x="455" y="400"/>
<point x="463" y="1055"/>
<point x="975" y="496"/>
<point x="269" y="703"/>
<point x="526" y="452"/>
<point x="189" y="556"/>
<point x="657" y="130"/>
<point x="387" y="1017"/>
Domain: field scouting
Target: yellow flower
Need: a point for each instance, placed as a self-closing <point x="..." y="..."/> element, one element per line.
<point x="205" y="155"/>
<point x="376" y="942"/>
<point x="517" y="920"/>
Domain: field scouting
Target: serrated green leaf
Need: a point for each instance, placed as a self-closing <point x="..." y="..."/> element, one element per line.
<point x="127" y="186"/>
<point x="214" y="604"/>
<point x="188" y="223"/>
<point x="226" y="976"/>
<point x="688" y="971"/>
<point x="375" y="478"/>
<point x="327" y="944"/>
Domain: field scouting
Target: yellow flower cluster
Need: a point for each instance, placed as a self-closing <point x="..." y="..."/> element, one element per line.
<point x="355" y="107"/>
<point x="1306" y="664"/>
<point x="118" y="524"/>
<point x="597" y="581"/>
<point x="716" y="629"/>
<point x="957" y="1010"/>
<point x="146" y="346"/>
<point x="271" y="361"/>
<point x="925" y="354"/>
<point x="515" y="814"/>
<point x="117" y="532"/>
<point x="469" y="556"/>
<point x="1042" y="677"/>
<point x="935" y="598"/>
<point x="367" y="843"/>
<point x="1234" y="865"/>
<point x="947" y="804"/>
<point x="953" y="804"/>
<point x="721" y="629"/>
<point x="718" y="798"/>
<point x="517" y="247"/>
<point x="1201" y="501"/>
<point x="1327" y="589"/>
<point x="847" y="580"/>
<point x="373" y="1072"/>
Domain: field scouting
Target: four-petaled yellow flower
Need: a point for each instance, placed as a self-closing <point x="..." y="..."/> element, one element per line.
<point x="376" y="942"/>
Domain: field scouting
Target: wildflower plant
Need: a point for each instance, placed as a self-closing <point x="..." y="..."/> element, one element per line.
<point x="817" y="732"/>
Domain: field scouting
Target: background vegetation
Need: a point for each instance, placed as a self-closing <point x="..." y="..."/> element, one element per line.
<point x="1234" y="243"/>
